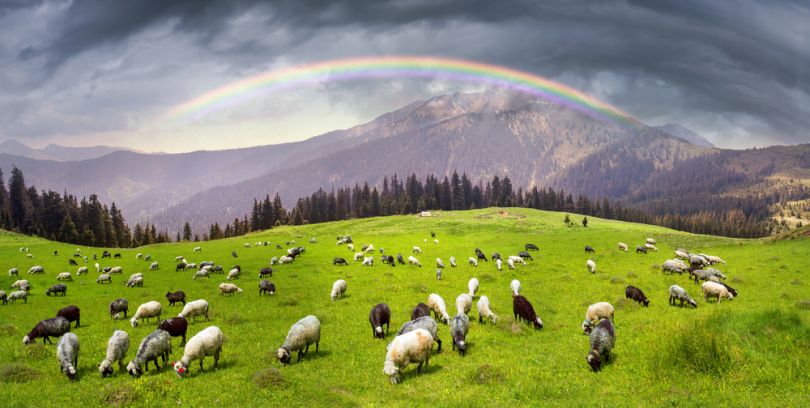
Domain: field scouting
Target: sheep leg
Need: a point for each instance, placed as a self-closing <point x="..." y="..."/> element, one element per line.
<point x="201" y="363"/>
<point x="419" y="368"/>
<point x="316" y="347"/>
<point x="46" y="338"/>
<point x="121" y="364"/>
<point x="216" y="357"/>
<point x="440" y="345"/>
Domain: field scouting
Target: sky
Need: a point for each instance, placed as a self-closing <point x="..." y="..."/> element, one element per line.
<point x="88" y="72"/>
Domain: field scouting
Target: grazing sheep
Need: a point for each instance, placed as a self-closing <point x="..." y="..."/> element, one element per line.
<point x="117" y="306"/>
<point x="13" y="272"/>
<point x="369" y="249"/>
<point x="81" y="271"/>
<point x="678" y="293"/>
<point x="729" y="289"/>
<point x="510" y="263"/>
<point x="452" y="261"/>
<point x="57" y="289"/>
<point x="107" y="269"/>
<point x="267" y="287"/>
<point x="632" y="292"/>
<point x="350" y="247"/>
<point x="498" y="264"/>
<point x="117" y="270"/>
<point x="697" y="261"/>
<point x="104" y="277"/>
<point x="622" y="246"/>
<point x="98" y="267"/>
<point x="197" y="249"/>
<point x="191" y="266"/>
<point x="589" y="249"/>
<point x="380" y="315"/>
<point x="516" y="259"/>
<point x="472" y="261"/>
<point x="176" y="326"/>
<point x="400" y="260"/>
<point x="67" y="352"/>
<point x="651" y="241"/>
<point x="438" y="274"/>
<point x="358" y="256"/>
<point x="713" y="260"/>
<point x="195" y="308"/>
<point x="523" y="310"/>
<point x="423" y="322"/>
<point x="19" y="294"/>
<point x="3" y="297"/>
<point x="157" y="344"/>
<point x="702" y="275"/>
<point x="682" y="253"/>
<point x="435" y="241"/>
<point x="72" y="262"/>
<point x="713" y="289"/>
<point x="368" y="261"/>
<point x="413" y="261"/>
<point x="412" y="347"/>
<point x="135" y="281"/>
<point x="463" y="303"/>
<point x="339" y="261"/>
<point x="389" y="259"/>
<point x="338" y="289"/>
<point x="495" y="256"/>
<point x="673" y="266"/>
<point x="437" y="305"/>
<point x="154" y="266"/>
<point x="651" y="247"/>
<point x="641" y="250"/>
<point x="174" y="297"/>
<point x="207" y="342"/>
<point x="480" y="255"/>
<point x="439" y="263"/>
<point x="53" y="327"/>
<point x="417" y="250"/>
<point x="71" y="313"/>
<point x="484" y="312"/>
<point x="595" y="312"/>
<point x="30" y="256"/>
<point x="117" y="347"/>
<point x="146" y="311"/>
<point x="20" y="283"/>
<point x="285" y="260"/>
<point x="203" y="273"/>
<point x="472" y="286"/>
<point x="531" y="247"/>
<point x="515" y="286"/>
<point x="525" y="255"/>
<point x="217" y="269"/>
<point x="715" y="272"/>
<point x="303" y="333"/>
<point x="228" y="288"/>
<point x="233" y="274"/>
<point x="36" y="269"/>
<point x="420" y="310"/>
<point x="591" y="265"/>
<point x="145" y="258"/>
<point x="602" y="339"/>
<point x="459" y="327"/>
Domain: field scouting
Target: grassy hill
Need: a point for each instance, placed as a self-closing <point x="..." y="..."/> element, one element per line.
<point x="749" y="351"/>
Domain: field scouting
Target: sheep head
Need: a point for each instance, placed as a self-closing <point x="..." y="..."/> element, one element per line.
<point x="105" y="369"/>
<point x="586" y="327"/>
<point x="594" y="360"/>
<point x="538" y="324"/>
<point x="284" y="355"/>
<point x="392" y="371"/>
<point x="179" y="369"/>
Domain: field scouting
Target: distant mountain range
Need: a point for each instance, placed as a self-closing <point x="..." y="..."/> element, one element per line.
<point x="56" y="152"/>
<point x="533" y="141"/>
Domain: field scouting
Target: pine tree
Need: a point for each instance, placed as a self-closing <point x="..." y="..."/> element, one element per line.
<point x="20" y="208"/>
<point x="68" y="232"/>
<point x="186" y="232"/>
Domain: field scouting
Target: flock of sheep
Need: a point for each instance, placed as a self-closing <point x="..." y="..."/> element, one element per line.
<point x="413" y="343"/>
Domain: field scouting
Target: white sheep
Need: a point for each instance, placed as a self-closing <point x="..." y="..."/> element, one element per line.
<point x="452" y="261"/>
<point x="714" y="260"/>
<point x="67" y="352"/>
<point x="651" y="247"/>
<point x="203" y="273"/>
<point x="350" y="247"/>
<point x="13" y="272"/>
<point x="81" y="271"/>
<point x="303" y="333"/>
<point x="510" y="263"/>
<point x="515" y="286"/>
<point x="358" y="256"/>
<point x="370" y="248"/>
<point x="29" y="255"/>
<point x="499" y="264"/>
<point x="154" y="266"/>
<point x="138" y="255"/>
<point x="117" y="270"/>
<point x="463" y="303"/>
<point x="435" y="241"/>
<point x="437" y="305"/>
<point x="146" y="311"/>
<point x="232" y="274"/>
<point x="682" y="253"/>
<point x="20" y="283"/>
<point x="195" y="308"/>
<point x="622" y="246"/>
<point x="338" y="289"/>
<point x="417" y="250"/>
<point x="591" y="266"/>
<point x="157" y="344"/>
<point x="411" y="347"/>
<point x="17" y="295"/>
<point x="36" y="269"/>
<point x="595" y="312"/>
<point x="197" y="249"/>
<point x="439" y="263"/>
<point x="517" y="259"/>
<point x="413" y="261"/>
<point x="207" y="342"/>
<point x="98" y="267"/>
<point x="179" y="258"/>
<point x="472" y="261"/>
<point x="117" y="347"/>
<point x="484" y="311"/>
<point x="135" y="281"/>
<point x="712" y="289"/>
<point x="651" y="241"/>
<point x="368" y="261"/>
<point x="228" y="288"/>
<point x="472" y="285"/>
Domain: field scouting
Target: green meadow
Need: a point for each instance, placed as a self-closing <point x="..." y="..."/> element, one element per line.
<point x="751" y="351"/>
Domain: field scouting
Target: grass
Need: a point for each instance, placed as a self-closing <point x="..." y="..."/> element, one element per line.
<point x="749" y="351"/>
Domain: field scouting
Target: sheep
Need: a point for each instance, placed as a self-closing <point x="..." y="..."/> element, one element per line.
<point x="233" y="274"/>
<point x="98" y="267"/>
<point x="81" y="271"/>
<point x="19" y="294"/>
<point x="72" y="262"/>
<point x="400" y="260"/>
<point x="463" y="303"/>
<point x="531" y="247"/>
<point x="350" y="247"/>
<point x="267" y="287"/>
<point x="439" y="263"/>
<point x="472" y="261"/>
<point x="380" y="315"/>
<point x="217" y="269"/>
<point x="715" y="272"/>
<point x="523" y="310"/>
<point x="339" y="261"/>
<point x="117" y="256"/>
<point x="71" y="313"/>
<point x="681" y="253"/>
<point x="713" y="260"/>
<point x="179" y="258"/>
<point x="417" y="250"/>
<point x="36" y="269"/>
<point x="420" y="310"/>
<point x="697" y="261"/>
<point x="191" y="266"/>
<point x="459" y="327"/>
<point x="437" y="305"/>
<point x="678" y="293"/>
<point x="480" y="255"/>
<point x="729" y="289"/>
<point x="53" y="327"/>
<point x="438" y="274"/>
<point x="525" y="255"/>
<point x="641" y="250"/>
<point x="338" y="289"/>
<point x="107" y="269"/>
<point x="56" y="289"/>
<point x="201" y="274"/>
<point x="303" y="333"/>
<point x="358" y="256"/>
<point x="145" y="311"/>
<point x="157" y="344"/>
<point x="154" y="266"/>
<point x="117" y="347"/>
<point x="452" y="261"/>
<point x="484" y="312"/>
<point x="104" y="277"/>
<point x="622" y="246"/>
<point x="176" y="326"/>
<point x="498" y="264"/>
<point x="632" y="292"/>
<point x="368" y="261"/>
<point x="117" y="270"/>
<point x="138" y="255"/>
<point x="651" y="247"/>
<point x="595" y="312"/>
<point x="509" y="263"/>
<point x="412" y="347"/>
<point x="207" y="342"/>
<point x="285" y="260"/>
<point x="370" y="249"/>
<point x="515" y="286"/>
<point x="174" y="297"/>
<point x="495" y="256"/>
<point x="67" y="352"/>
<point x="13" y="272"/>
<point x="413" y="261"/>
<point x="31" y="256"/>
<point x="435" y="241"/>
<point x="228" y="288"/>
<point x="472" y="286"/>
<point x="3" y="297"/>
<point x="651" y="241"/>
<point x="713" y="289"/>
<point x="117" y="306"/>
<point x="589" y="249"/>
<point x="591" y="265"/>
<point x="389" y="259"/>
<point x="423" y="322"/>
<point x="135" y="281"/>
<point x="516" y="259"/>
<point x="673" y="266"/>
<point x="602" y="339"/>
<point x="197" y="249"/>
<point x="195" y="308"/>
<point x="20" y="283"/>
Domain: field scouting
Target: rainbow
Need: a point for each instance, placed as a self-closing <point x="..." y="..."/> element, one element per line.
<point x="394" y="67"/>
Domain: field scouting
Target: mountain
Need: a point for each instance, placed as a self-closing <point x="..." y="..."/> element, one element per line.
<point x="56" y="152"/>
<point x="685" y="134"/>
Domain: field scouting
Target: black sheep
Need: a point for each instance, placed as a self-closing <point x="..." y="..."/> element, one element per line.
<point x="391" y="262"/>
<point x="339" y="261"/>
<point x="531" y="247"/>
<point x="590" y="249"/>
<point x="523" y="310"/>
<point x="106" y="254"/>
<point x="175" y="297"/>
<point x="380" y="315"/>
<point x="53" y="327"/>
<point x="641" y="250"/>
<point x="180" y="267"/>
<point x="266" y="287"/>
<point x="400" y="260"/>
<point x="419" y="311"/>
<point x="176" y="326"/>
<point x="495" y="256"/>
<point x="107" y="269"/>
<point x="730" y="289"/>
<point x="636" y="294"/>
<point x="266" y="272"/>
<point x="481" y="256"/>
<point x="71" y="313"/>
<point x="525" y="255"/>
<point x="119" y="305"/>
<point x="234" y="254"/>
<point x="56" y="289"/>
<point x="72" y="262"/>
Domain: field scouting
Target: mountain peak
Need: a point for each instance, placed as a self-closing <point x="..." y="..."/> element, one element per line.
<point x="685" y="134"/>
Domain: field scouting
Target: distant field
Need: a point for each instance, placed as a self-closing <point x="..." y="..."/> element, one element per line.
<point x="752" y="351"/>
